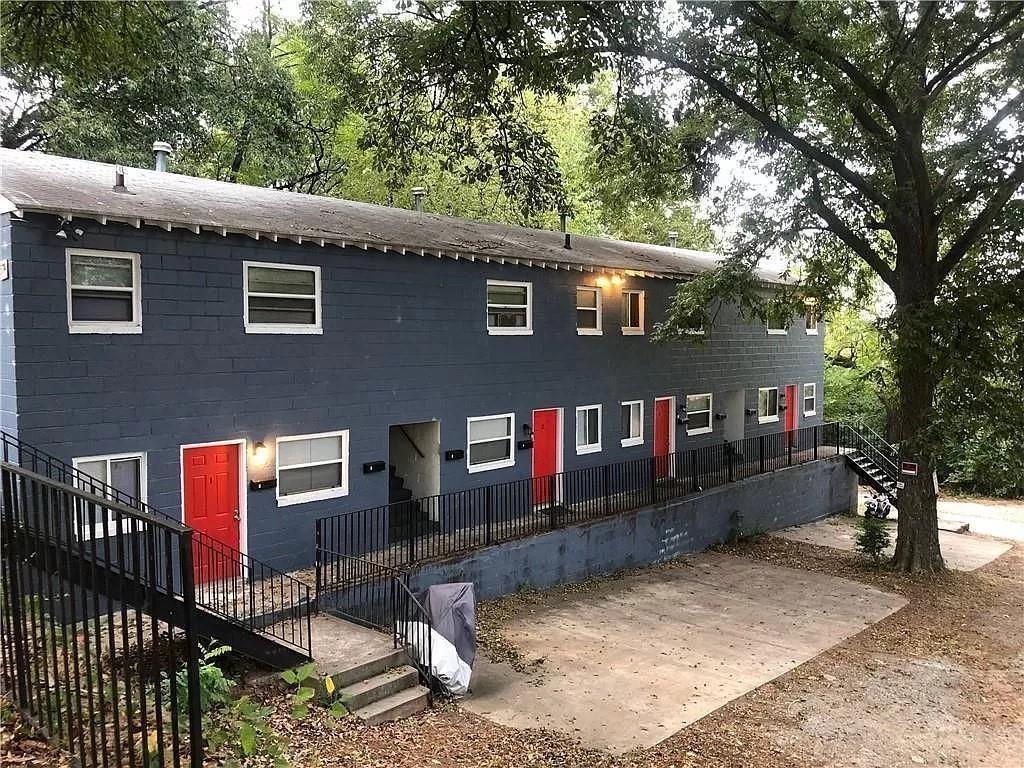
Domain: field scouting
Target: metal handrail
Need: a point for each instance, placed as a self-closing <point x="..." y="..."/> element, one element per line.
<point x="878" y="437"/>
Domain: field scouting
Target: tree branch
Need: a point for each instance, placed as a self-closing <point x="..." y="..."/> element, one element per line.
<point x="972" y="54"/>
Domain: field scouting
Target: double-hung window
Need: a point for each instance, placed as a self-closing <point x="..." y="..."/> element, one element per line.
<point x="489" y="442"/>
<point x="509" y="308"/>
<point x="104" y="291"/>
<point x="588" y="311"/>
<point x="632" y="313"/>
<point x="632" y="423"/>
<point x="777" y="325"/>
<point x="281" y="298"/>
<point x="124" y="472"/>
<point x="767" y="405"/>
<point x="811" y="319"/>
<point x="810" y="399"/>
<point x="588" y="429"/>
<point x="312" y="467"/>
<point x="698" y="414"/>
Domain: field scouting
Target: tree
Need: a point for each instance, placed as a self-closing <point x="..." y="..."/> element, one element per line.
<point x="891" y="132"/>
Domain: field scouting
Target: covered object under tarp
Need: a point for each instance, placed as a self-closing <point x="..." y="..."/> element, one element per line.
<point x="452" y="611"/>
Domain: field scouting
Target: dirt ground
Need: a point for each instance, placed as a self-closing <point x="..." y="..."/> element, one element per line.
<point x="938" y="683"/>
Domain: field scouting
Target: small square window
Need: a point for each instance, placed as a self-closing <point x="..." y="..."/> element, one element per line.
<point x="509" y="308"/>
<point x="810" y="399"/>
<point x="698" y="414"/>
<point x="104" y="291"/>
<point x="632" y="313"/>
<point x="588" y="311"/>
<point x="123" y="473"/>
<point x="632" y="423"/>
<point x="767" y="405"/>
<point x="811" y="319"/>
<point x="312" y="467"/>
<point x="588" y="429"/>
<point x="489" y="442"/>
<point x="281" y="298"/>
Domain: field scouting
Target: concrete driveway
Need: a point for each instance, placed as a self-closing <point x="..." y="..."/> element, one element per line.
<point x="630" y="661"/>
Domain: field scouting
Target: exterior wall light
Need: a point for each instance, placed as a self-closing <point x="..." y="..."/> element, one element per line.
<point x="602" y="282"/>
<point x="616" y="280"/>
<point x="259" y="454"/>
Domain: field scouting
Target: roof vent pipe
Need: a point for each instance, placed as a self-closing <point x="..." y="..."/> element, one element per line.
<point x="161" y="151"/>
<point x="418" y="193"/>
<point x="563" y="217"/>
<point x="673" y="238"/>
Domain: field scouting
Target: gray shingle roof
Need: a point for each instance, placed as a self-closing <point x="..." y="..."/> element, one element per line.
<point x="36" y="182"/>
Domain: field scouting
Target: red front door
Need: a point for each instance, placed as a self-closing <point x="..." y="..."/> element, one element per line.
<point x="210" y="486"/>
<point x="545" y="454"/>
<point x="791" y="412"/>
<point x="662" y="436"/>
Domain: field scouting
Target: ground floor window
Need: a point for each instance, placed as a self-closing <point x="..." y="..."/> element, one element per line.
<point x="489" y="441"/>
<point x="588" y="429"/>
<point x="106" y="476"/>
<point x="312" y="467"/>
<point x="632" y="423"/>
<point x="810" y="399"/>
<point x="698" y="414"/>
<point x="767" y="405"/>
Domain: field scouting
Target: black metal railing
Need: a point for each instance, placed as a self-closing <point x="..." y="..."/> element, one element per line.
<point x="874" y="447"/>
<point x="99" y="646"/>
<point x="228" y="582"/>
<point x="402" y="534"/>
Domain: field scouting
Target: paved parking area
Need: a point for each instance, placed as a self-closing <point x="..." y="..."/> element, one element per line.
<point x="627" y="662"/>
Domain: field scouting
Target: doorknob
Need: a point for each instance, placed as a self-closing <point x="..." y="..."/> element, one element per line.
<point x="237" y="516"/>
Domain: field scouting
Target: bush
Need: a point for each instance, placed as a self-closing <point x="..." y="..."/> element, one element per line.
<point x="873" y="539"/>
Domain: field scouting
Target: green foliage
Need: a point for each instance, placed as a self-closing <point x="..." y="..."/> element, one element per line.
<point x="214" y="686"/>
<point x="243" y="730"/>
<point x="305" y="681"/>
<point x="873" y="539"/>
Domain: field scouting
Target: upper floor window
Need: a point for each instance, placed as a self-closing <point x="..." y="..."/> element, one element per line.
<point x="588" y="311"/>
<point x="509" y="308"/>
<point x="489" y="442"/>
<point x="312" y="467"/>
<point x="811" y="318"/>
<point x="810" y="399"/>
<point x="767" y="405"/>
<point x="281" y="298"/>
<point x="588" y="429"/>
<point x="632" y="423"/>
<point x="632" y="312"/>
<point x="124" y="472"/>
<point x="104" y="291"/>
<point x="698" y="414"/>
<point x="777" y="326"/>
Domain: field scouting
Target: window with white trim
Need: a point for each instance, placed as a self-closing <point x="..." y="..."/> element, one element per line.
<point x="632" y="313"/>
<point x="312" y="467"/>
<point x="698" y="414"/>
<point x="767" y="405"/>
<point x="811" y="319"/>
<point x="281" y="298"/>
<point x="810" y="399"/>
<point x="489" y="441"/>
<point x="124" y="472"/>
<point x="588" y="311"/>
<point x="777" y="326"/>
<point x="588" y="429"/>
<point x="632" y="423"/>
<point x="104" y="291"/>
<point x="509" y="308"/>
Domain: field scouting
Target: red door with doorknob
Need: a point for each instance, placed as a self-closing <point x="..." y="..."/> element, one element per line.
<point x="545" y="454"/>
<point x="790" y="413"/>
<point x="210" y="498"/>
<point x="662" y="436"/>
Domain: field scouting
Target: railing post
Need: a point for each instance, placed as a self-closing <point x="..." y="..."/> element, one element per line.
<point x="728" y="458"/>
<point x="188" y="594"/>
<point x="318" y="554"/>
<point x="605" y="488"/>
<point x="551" y="500"/>
<point x="412" y="532"/>
<point x="789" y="446"/>
<point x="693" y="470"/>
<point x="489" y="511"/>
<point x="816" y="437"/>
<point x="760" y="454"/>
<point x="14" y="587"/>
<point x="654" y="476"/>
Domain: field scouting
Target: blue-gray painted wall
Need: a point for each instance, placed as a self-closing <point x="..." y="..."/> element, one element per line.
<point x="654" y="534"/>
<point x="404" y="340"/>
<point x="8" y="383"/>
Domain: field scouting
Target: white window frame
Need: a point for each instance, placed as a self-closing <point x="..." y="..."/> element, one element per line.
<point x="499" y="463"/>
<point x="813" y="397"/>
<point x="284" y="328"/>
<point x="811" y="310"/>
<point x="710" y="412"/>
<point x="321" y="493"/>
<point x="770" y="418"/>
<point x="628" y="441"/>
<point x="597" y="331"/>
<point x="92" y="532"/>
<point x="106" y="326"/>
<point x="588" y="447"/>
<point x="629" y="330"/>
<point x="777" y="331"/>
<point x="528" y="330"/>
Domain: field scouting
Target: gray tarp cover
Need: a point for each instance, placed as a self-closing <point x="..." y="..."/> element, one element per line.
<point x="452" y="609"/>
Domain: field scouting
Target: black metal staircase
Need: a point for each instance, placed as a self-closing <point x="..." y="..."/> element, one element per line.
<point x="875" y="460"/>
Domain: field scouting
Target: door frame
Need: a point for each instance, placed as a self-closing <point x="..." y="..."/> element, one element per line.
<point x="671" y="431"/>
<point x="559" y="452"/>
<point x="243" y="485"/>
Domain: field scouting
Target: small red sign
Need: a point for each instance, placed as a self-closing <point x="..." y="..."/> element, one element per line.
<point x="909" y="468"/>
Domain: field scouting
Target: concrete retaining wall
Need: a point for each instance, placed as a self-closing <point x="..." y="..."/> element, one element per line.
<point x="654" y="534"/>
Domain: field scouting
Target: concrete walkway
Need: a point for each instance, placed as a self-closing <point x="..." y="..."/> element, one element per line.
<point x="961" y="551"/>
<point x="628" y="662"/>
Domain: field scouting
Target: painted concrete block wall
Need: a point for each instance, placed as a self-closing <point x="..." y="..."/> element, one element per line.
<point x="8" y="382"/>
<point x="654" y="534"/>
<point x="404" y="341"/>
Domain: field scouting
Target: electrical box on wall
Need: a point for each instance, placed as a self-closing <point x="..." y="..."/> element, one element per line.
<point x="454" y="455"/>
<point x="522" y="445"/>
<point x="262" y="485"/>
<point x="374" y="466"/>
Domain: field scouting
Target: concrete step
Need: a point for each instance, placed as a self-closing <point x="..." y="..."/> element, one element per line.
<point x="394" y="707"/>
<point x="387" y="683"/>
<point x="368" y="668"/>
